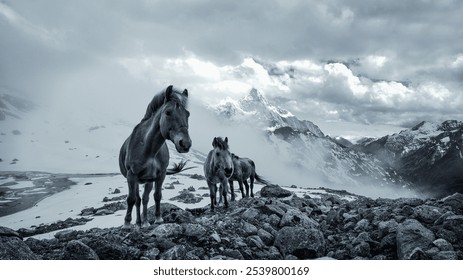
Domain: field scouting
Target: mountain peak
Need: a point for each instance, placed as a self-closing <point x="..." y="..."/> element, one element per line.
<point x="253" y="98"/>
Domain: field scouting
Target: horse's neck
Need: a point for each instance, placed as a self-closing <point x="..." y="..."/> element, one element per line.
<point x="153" y="137"/>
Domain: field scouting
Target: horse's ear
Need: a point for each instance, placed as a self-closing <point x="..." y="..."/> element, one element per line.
<point x="214" y="142"/>
<point x="226" y="139"/>
<point x="185" y="92"/>
<point x="169" y="91"/>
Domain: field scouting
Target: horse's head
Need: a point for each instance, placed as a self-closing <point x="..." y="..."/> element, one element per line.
<point x="221" y="156"/>
<point x="174" y="119"/>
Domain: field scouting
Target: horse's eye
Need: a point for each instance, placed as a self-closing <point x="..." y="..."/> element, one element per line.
<point x="217" y="154"/>
<point x="168" y="112"/>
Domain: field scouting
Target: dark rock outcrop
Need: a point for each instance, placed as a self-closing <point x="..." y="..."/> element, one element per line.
<point x="273" y="227"/>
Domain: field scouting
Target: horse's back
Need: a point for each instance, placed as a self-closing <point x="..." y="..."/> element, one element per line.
<point x="247" y="168"/>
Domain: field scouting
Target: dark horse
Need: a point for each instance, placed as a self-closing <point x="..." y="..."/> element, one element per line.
<point x="144" y="156"/>
<point x="218" y="167"/>
<point x="244" y="168"/>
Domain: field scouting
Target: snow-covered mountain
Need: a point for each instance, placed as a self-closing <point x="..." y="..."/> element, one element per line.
<point x="428" y="154"/>
<point x="303" y="145"/>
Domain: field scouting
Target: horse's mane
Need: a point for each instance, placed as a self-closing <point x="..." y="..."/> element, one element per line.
<point x="158" y="101"/>
<point x="221" y="144"/>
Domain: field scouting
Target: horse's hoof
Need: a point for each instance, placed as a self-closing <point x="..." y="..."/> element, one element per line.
<point x="145" y="225"/>
<point x="158" y="220"/>
<point x="127" y="226"/>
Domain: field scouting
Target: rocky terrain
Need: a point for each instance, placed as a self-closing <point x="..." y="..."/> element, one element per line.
<point x="277" y="224"/>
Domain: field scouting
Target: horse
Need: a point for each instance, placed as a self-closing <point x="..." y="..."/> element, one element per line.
<point x="144" y="156"/>
<point x="244" y="168"/>
<point x="218" y="168"/>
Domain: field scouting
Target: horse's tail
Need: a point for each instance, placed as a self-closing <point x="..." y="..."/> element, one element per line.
<point x="262" y="180"/>
<point x="178" y="167"/>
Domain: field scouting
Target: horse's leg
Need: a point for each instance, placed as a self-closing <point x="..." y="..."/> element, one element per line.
<point x="146" y="198"/>
<point x="131" y="198"/>
<point x="157" y="198"/>
<point x="213" y="194"/>
<point x="252" y="185"/>
<point x="230" y="182"/>
<point x="220" y="196"/>
<point x="137" y="205"/>
<point x="223" y="192"/>
<point x="242" y="190"/>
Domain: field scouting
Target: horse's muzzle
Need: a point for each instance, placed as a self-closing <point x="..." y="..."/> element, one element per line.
<point x="228" y="172"/>
<point x="183" y="145"/>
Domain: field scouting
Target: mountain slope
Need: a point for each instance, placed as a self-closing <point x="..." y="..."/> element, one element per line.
<point x="429" y="154"/>
<point x="304" y="146"/>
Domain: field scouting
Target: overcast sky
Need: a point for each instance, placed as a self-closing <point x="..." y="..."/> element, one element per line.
<point x="366" y="62"/>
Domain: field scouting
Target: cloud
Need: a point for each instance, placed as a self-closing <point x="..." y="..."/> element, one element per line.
<point x="346" y="60"/>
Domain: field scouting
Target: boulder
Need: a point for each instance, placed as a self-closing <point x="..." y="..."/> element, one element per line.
<point x="12" y="247"/>
<point x="167" y="230"/>
<point x="411" y="234"/>
<point x="427" y="213"/>
<point x="76" y="250"/>
<point x="274" y="191"/>
<point x="455" y="201"/>
<point x="304" y="243"/>
<point x="294" y="217"/>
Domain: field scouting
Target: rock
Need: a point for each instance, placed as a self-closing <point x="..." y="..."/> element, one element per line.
<point x="274" y="191"/>
<point x="362" y="225"/>
<point x="266" y="237"/>
<point x="103" y="212"/>
<point x="411" y="234"/>
<point x="76" y="250"/>
<point x="350" y="217"/>
<point x="248" y="229"/>
<point x="304" y="243"/>
<point x="271" y="253"/>
<point x="186" y="196"/>
<point x="66" y="235"/>
<point x="270" y="209"/>
<point x="167" y="230"/>
<point x="152" y="254"/>
<point x="455" y="201"/>
<point x="454" y="224"/>
<point x="294" y="217"/>
<point x="427" y="213"/>
<point x="443" y="244"/>
<point x="362" y="250"/>
<point x="12" y="247"/>
<point x="362" y="237"/>
<point x="387" y="227"/>
<point x="233" y="253"/>
<point x="216" y="237"/>
<point x="255" y="241"/>
<point x="442" y="218"/>
<point x="446" y="255"/>
<point x="177" y="252"/>
<point x="194" y="230"/>
<point x="108" y="250"/>
<point x="418" y="254"/>
<point x="250" y="214"/>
